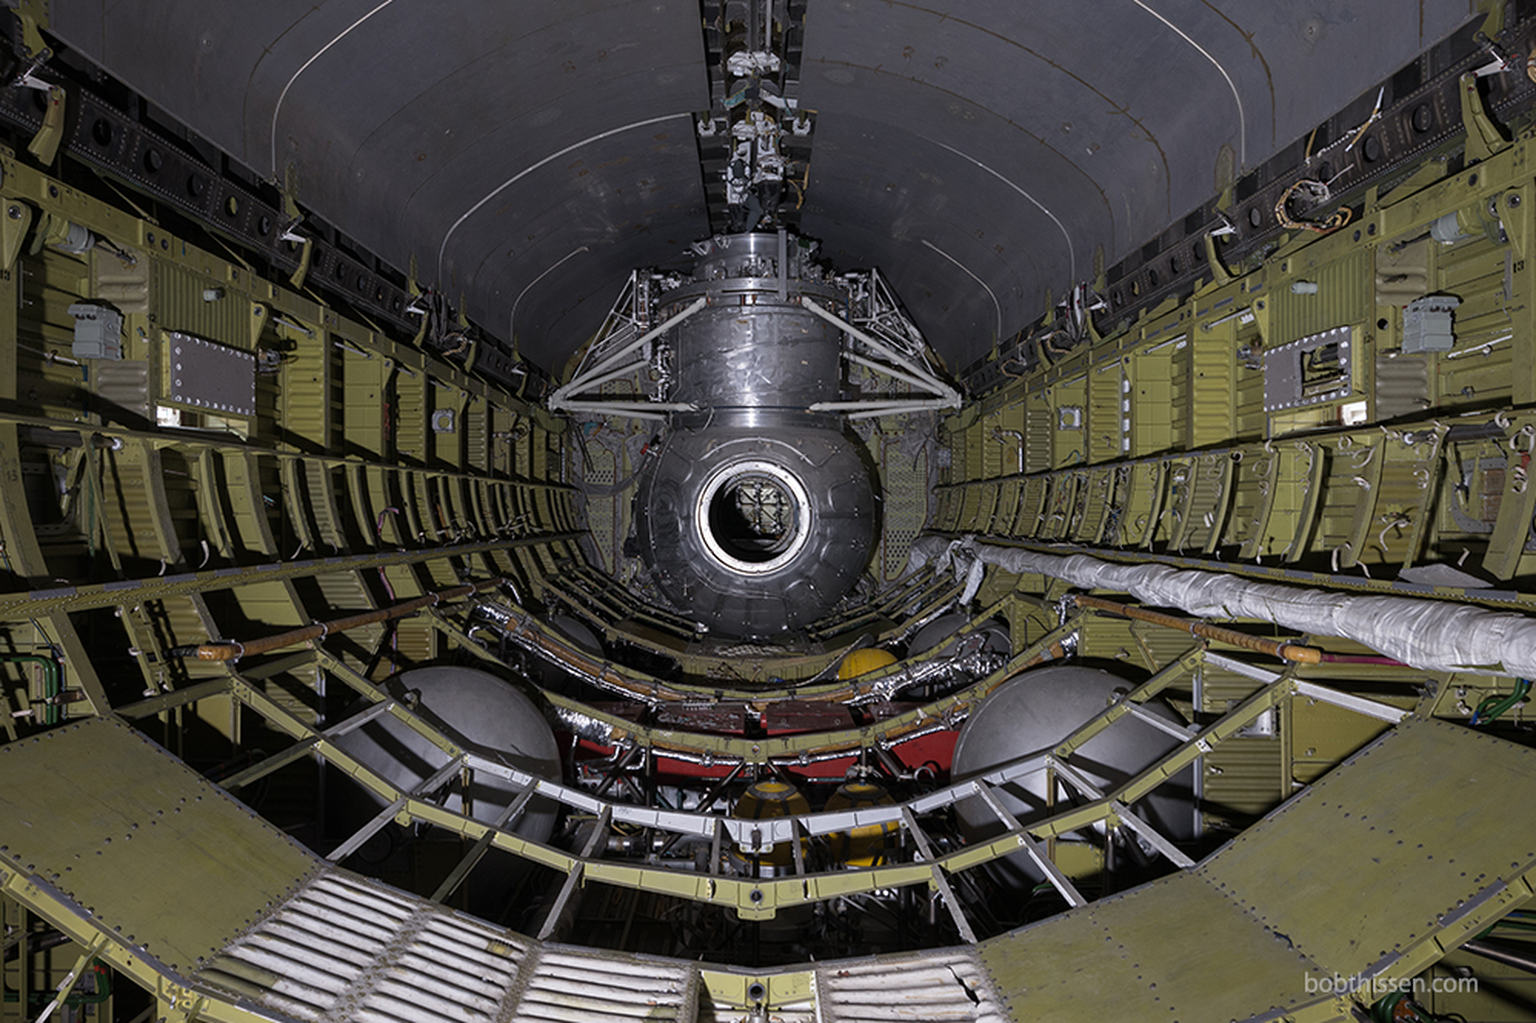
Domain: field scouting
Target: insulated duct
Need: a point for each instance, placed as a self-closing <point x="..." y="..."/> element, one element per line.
<point x="1427" y="634"/>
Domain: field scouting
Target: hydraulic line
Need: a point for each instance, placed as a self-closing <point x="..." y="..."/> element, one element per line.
<point x="1274" y="647"/>
<point x="230" y="650"/>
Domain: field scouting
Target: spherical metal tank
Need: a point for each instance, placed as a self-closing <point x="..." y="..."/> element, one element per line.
<point x="481" y="713"/>
<point x="756" y="531"/>
<point x="1039" y="709"/>
<point x="554" y="678"/>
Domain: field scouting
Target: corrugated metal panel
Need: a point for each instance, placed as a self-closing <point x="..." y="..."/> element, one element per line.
<point x="997" y="450"/>
<point x="176" y="295"/>
<point x="129" y="518"/>
<point x="1039" y="428"/>
<point x="985" y="509"/>
<point x="970" y="508"/>
<point x="320" y="484"/>
<point x="125" y="384"/>
<point x="126" y="286"/>
<point x="934" y="988"/>
<point x="1348" y="496"/>
<point x="1245" y="778"/>
<point x="1007" y="508"/>
<point x="1205" y="510"/>
<point x="1063" y="499"/>
<point x="348" y="948"/>
<point x="408" y="416"/>
<point x="572" y="986"/>
<point x="363" y="416"/>
<point x="306" y="394"/>
<point x="1178" y="395"/>
<point x="1346" y="292"/>
<point x="477" y="436"/>
<point x="1136" y="503"/>
<point x="1212" y="411"/>
<point x="1252" y="486"/>
<point x="1163" y="646"/>
<point x="948" y="511"/>
<point x="1402" y="385"/>
<point x="1032" y="506"/>
<point x="1104" y="412"/>
<point x="1177" y="481"/>
<point x="1151" y="409"/>
<point x="1093" y="506"/>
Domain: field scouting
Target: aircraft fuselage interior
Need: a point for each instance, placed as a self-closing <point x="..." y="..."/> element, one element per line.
<point x="767" y="511"/>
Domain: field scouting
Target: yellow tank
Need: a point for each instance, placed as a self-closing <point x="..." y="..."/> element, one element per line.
<point x="866" y="846"/>
<point x="862" y="662"/>
<point x="768" y="799"/>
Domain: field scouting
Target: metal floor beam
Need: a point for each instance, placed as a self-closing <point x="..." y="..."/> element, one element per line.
<point x="1402" y="852"/>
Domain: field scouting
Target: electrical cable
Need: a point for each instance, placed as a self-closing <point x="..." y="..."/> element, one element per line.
<point x="1318" y="192"/>
<point x="1492" y="707"/>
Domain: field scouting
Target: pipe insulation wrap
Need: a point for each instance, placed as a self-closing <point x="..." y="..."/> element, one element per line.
<point x="1427" y="634"/>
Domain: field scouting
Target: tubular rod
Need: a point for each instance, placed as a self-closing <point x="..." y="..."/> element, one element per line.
<point x="940" y="882"/>
<point x="230" y="651"/>
<point x="886" y="350"/>
<point x="598" y="837"/>
<point x="705" y="803"/>
<point x="503" y="821"/>
<point x="264" y="767"/>
<point x="889" y="371"/>
<point x="1053" y="873"/>
<point x="389" y="813"/>
<point x="612" y="374"/>
<point x="1275" y="648"/>
<point x="1501" y="953"/>
<point x="1152" y="835"/>
<point x="577" y="385"/>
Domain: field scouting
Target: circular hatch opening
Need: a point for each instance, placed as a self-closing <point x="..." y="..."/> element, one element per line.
<point x="754" y="516"/>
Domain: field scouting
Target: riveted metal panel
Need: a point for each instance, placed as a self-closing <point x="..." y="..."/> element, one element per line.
<point x="144" y="839"/>
<point x="1414" y="826"/>
<point x="1237" y="969"/>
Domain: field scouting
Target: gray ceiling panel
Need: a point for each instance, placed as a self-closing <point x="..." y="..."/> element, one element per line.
<point x="204" y="61"/>
<point x="627" y="203"/>
<point x="1115" y="118"/>
<point x="881" y="196"/>
<point x="531" y="153"/>
<point x="486" y="140"/>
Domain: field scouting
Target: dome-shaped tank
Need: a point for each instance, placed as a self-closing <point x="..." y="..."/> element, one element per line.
<point x="481" y="713"/>
<point x="1039" y="709"/>
<point x="765" y="800"/>
<point x="863" y="661"/>
<point x="864" y="846"/>
<point x="994" y="633"/>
